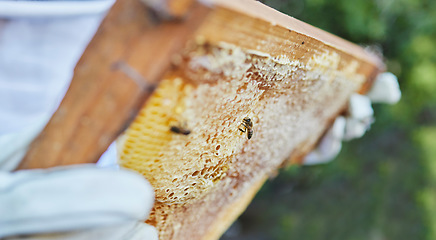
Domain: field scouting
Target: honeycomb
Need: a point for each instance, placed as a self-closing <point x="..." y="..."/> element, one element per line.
<point x="149" y="146"/>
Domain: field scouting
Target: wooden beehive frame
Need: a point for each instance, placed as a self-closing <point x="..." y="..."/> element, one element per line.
<point x="133" y="50"/>
<point x="102" y="99"/>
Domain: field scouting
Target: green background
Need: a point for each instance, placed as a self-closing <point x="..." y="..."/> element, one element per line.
<point x="382" y="186"/>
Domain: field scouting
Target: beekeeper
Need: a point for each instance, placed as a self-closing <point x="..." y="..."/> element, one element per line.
<point x="40" y="44"/>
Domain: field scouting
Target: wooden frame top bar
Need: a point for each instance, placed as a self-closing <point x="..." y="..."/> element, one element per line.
<point x="258" y="10"/>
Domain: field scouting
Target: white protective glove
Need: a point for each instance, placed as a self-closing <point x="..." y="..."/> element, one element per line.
<point x="125" y="231"/>
<point x="75" y="198"/>
<point x="329" y="146"/>
<point x="358" y="120"/>
<point x="385" y="89"/>
<point x="41" y="42"/>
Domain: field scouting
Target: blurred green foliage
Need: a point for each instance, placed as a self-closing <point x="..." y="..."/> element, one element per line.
<point x="382" y="186"/>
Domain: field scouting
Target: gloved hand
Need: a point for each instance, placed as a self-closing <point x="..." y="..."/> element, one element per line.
<point x="126" y="231"/>
<point x="40" y="45"/>
<point x="329" y="146"/>
<point x="85" y="201"/>
<point x="357" y="121"/>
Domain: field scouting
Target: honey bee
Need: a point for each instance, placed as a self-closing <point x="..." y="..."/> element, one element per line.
<point x="180" y="130"/>
<point x="247" y="126"/>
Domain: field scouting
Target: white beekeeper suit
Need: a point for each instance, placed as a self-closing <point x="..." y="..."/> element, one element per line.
<point x="40" y="44"/>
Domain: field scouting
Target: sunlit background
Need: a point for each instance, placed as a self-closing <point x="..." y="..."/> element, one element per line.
<point x="382" y="186"/>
